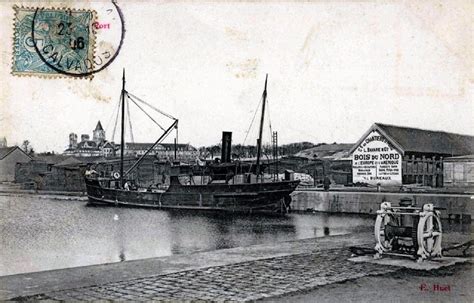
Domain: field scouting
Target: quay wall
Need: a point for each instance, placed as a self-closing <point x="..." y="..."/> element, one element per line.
<point x="457" y="206"/>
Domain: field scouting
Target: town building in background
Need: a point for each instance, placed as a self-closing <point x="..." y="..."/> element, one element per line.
<point x="3" y="142"/>
<point x="97" y="147"/>
<point x="100" y="147"/>
<point x="394" y="155"/>
<point x="163" y="151"/>
<point x="9" y="157"/>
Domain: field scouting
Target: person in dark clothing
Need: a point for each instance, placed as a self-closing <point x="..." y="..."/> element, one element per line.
<point x="326" y="183"/>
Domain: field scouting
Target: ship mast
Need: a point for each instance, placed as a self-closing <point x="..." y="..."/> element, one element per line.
<point x="259" y="140"/>
<point x="122" y="139"/>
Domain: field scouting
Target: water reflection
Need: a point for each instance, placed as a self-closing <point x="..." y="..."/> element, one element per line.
<point x="210" y="231"/>
<point x="43" y="234"/>
<point x="326" y="231"/>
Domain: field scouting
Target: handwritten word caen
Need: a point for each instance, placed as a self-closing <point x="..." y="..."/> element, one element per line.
<point x="98" y="25"/>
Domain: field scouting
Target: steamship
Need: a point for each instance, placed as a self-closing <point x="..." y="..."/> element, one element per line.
<point x="229" y="187"/>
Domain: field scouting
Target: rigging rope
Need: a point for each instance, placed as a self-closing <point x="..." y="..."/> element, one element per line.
<point x="253" y="119"/>
<point x="128" y="95"/>
<point x="163" y="136"/>
<point x="111" y="117"/>
<point x="130" y="120"/>
<point x="116" y="118"/>
<point x="151" y="106"/>
<point x="269" y="121"/>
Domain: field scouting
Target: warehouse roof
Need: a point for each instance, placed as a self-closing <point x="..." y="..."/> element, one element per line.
<point x="466" y="158"/>
<point x="415" y="140"/>
<point x="70" y="162"/>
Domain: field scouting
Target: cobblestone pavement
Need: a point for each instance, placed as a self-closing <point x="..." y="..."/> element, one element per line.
<point x="244" y="281"/>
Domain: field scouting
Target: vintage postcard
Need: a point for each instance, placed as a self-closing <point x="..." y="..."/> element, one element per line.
<point x="277" y="151"/>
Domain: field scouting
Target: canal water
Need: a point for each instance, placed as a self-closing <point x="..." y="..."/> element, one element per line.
<point x="39" y="234"/>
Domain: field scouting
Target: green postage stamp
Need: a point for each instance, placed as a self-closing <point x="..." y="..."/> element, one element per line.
<point x="53" y="42"/>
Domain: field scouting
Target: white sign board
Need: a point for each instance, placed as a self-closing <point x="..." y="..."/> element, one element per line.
<point x="376" y="161"/>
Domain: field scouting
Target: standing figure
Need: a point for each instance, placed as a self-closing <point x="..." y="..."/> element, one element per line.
<point x="326" y="183"/>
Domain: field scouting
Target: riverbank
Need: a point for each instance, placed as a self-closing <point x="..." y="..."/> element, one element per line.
<point x="47" y="195"/>
<point x="13" y="189"/>
<point x="287" y="270"/>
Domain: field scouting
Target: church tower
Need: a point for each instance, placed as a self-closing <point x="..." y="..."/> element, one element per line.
<point x="3" y="142"/>
<point x="99" y="133"/>
<point x="72" y="140"/>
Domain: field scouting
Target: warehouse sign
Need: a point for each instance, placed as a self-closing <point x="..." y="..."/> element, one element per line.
<point x="375" y="161"/>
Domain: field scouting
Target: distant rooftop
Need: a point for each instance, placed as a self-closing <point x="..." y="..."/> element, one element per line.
<point x="467" y="158"/>
<point x="70" y="162"/>
<point x="5" y="151"/>
<point x="326" y="152"/>
<point x="50" y="159"/>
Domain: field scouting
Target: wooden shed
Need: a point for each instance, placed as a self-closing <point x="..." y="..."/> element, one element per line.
<point x="9" y="157"/>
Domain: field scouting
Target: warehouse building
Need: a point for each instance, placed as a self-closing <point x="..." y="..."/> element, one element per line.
<point x="394" y="155"/>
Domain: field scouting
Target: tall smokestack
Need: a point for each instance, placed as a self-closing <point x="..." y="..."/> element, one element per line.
<point x="226" y="147"/>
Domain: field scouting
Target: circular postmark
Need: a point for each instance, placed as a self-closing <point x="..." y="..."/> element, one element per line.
<point x="78" y="43"/>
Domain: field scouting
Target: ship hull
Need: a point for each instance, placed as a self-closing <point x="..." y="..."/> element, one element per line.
<point x="247" y="198"/>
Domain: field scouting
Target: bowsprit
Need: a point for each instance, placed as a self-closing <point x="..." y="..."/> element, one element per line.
<point x="407" y="230"/>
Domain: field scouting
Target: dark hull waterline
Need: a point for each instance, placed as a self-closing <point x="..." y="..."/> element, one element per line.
<point x="247" y="198"/>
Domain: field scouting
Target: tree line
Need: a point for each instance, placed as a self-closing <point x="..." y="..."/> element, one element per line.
<point x="250" y="151"/>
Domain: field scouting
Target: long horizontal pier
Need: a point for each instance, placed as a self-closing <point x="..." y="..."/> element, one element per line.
<point x="453" y="206"/>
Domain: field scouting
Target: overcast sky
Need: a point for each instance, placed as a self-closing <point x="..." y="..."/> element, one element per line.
<point x="334" y="69"/>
